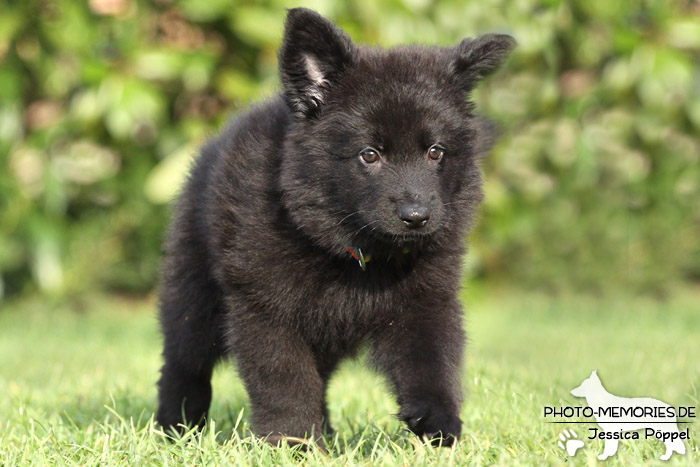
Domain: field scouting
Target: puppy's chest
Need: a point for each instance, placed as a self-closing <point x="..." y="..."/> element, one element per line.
<point x="343" y="313"/>
<point x="314" y="294"/>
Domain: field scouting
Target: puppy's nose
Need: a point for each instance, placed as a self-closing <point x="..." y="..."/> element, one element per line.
<point x="414" y="215"/>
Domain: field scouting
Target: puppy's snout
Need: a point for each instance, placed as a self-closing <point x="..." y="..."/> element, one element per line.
<point x="414" y="215"/>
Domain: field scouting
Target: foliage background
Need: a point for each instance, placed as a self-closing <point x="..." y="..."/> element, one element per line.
<point x="595" y="182"/>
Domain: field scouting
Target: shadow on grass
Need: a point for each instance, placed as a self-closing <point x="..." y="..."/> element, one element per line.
<point x="137" y="410"/>
<point x="134" y="409"/>
<point x="133" y="412"/>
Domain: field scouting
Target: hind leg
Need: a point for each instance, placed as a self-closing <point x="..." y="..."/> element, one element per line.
<point x="328" y="430"/>
<point x="326" y="364"/>
<point x="184" y="396"/>
<point x="190" y="321"/>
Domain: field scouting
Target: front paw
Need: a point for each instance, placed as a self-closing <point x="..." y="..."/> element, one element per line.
<point x="432" y="422"/>
<point x="304" y="444"/>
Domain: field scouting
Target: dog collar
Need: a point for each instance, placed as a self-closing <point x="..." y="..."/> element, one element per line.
<point x="363" y="259"/>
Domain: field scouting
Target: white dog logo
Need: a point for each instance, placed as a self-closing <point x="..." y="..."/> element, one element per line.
<point x="614" y="425"/>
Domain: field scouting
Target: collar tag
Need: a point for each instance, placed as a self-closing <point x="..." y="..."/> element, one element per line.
<point x="361" y="258"/>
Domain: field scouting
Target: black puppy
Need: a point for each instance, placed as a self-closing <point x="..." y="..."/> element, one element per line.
<point x="330" y="216"/>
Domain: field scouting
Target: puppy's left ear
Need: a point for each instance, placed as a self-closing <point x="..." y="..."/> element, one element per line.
<point x="477" y="58"/>
<point x="314" y="53"/>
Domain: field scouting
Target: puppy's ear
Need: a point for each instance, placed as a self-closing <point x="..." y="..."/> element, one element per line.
<point x="314" y="53"/>
<point x="477" y="58"/>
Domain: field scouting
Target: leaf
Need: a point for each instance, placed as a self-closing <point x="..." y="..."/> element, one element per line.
<point x="258" y="26"/>
<point x="166" y="178"/>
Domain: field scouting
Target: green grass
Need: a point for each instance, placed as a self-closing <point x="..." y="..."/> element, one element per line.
<point x="77" y="386"/>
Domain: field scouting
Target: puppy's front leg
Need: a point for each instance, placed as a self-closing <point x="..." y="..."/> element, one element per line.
<point x="282" y="378"/>
<point x="421" y="353"/>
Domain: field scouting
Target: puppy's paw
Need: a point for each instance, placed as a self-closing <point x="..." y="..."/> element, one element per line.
<point x="432" y="422"/>
<point x="302" y="444"/>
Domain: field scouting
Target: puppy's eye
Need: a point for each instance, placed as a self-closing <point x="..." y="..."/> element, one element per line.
<point x="436" y="152"/>
<point x="369" y="155"/>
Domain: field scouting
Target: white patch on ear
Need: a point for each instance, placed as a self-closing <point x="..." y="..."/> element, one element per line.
<point x="314" y="71"/>
<point x="317" y="81"/>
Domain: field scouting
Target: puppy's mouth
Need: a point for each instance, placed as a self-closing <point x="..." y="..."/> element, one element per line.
<point x="392" y="233"/>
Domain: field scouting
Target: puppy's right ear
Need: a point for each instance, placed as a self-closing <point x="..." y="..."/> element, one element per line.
<point x="477" y="58"/>
<point x="314" y="53"/>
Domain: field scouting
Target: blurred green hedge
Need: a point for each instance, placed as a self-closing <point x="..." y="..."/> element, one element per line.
<point x="596" y="180"/>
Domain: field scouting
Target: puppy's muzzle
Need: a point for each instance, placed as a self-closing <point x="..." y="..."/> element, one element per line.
<point x="414" y="215"/>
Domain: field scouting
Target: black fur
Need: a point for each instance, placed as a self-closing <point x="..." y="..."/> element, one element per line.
<point x="257" y="262"/>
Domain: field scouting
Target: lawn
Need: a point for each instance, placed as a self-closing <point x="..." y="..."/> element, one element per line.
<point x="77" y="385"/>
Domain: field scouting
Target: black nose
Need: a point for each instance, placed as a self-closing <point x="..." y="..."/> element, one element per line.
<point x="414" y="215"/>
